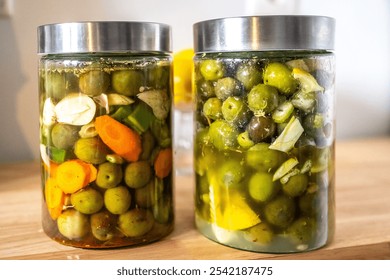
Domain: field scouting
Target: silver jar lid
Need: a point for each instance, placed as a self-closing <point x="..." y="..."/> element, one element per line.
<point x="264" y="33"/>
<point x="105" y="36"/>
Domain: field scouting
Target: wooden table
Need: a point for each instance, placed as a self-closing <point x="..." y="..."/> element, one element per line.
<point x="362" y="216"/>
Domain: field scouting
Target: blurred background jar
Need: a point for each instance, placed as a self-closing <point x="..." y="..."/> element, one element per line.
<point x="264" y="132"/>
<point x="183" y="112"/>
<point x="106" y="132"/>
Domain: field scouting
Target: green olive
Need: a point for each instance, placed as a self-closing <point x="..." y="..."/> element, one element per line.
<point x="227" y="87"/>
<point x="91" y="150"/>
<point x="87" y="200"/>
<point x="205" y="89"/>
<point x="94" y="82"/>
<point x="103" y="225"/>
<point x="55" y="85"/>
<point x="223" y="135"/>
<point x="280" y="211"/>
<point x="302" y="230"/>
<point x="249" y="75"/>
<point x="211" y="69"/>
<point x="117" y="200"/>
<point x="261" y="128"/>
<point x="244" y="140"/>
<point x="127" y="82"/>
<point x="261" y="158"/>
<point x="235" y="111"/>
<point x="72" y="224"/>
<point x="64" y="136"/>
<point x="261" y="187"/>
<point x="109" y="175"/>
<point x="296" y="185"/>
<point x="136" y="222"/>
<point x="263" y="99"/>
<point x="138" y="174"/>
<point x="231" y="173"/>
<point x="260" y="233"/>
<point x="278" y="75"/>
<point x="158" y="77"/>
<point x="212" y="108"/>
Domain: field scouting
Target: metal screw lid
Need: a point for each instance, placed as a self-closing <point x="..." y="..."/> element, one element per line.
<point x="105" y="36"/>
<point x="264" y="33"/>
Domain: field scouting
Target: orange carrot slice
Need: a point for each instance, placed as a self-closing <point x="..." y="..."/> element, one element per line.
<point x="72" y="176"/>
<point x="163" y="163"/>
<point x="54" y="197"/>
<point x="118" y="137"/>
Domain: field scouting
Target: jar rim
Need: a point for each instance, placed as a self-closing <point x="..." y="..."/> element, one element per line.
<point x="264" y="33"/>
<point x="104" y="36"/>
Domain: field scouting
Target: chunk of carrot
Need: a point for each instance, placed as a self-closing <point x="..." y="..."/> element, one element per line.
<point x="118" y="137"/>
<point x="163" y="163"/>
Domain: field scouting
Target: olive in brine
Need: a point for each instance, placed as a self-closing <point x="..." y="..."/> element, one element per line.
<point x="127" y="82"/>
<point x="109" y="175"/>
<point x="263" y="99"/>
<point x="223" y="135"/>
<point x="72" y="224"/>
<point x="94" y="82"/>
<point x="64" y="136"/>
<point x="103" y="225"/>
<point x="260" y="128"/>
<point x="91" y="150"/>
<point x="260" y="233"/>
<point x="227" y="87"/>
<point x="280" y="211"/>
<point x="136" y="222"/>
<point x="235" y="111"/>
<point x="117" y="200"/>
<point x="211" y="69"/>
<point x="278" y="75"/>
<point x="87" y="201"/>
<point x="249" y="75"/>
<point x="138" y="174"/>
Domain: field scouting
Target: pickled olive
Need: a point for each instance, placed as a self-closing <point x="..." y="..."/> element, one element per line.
<point x="280" y="76"/>
<point x="161" y="132"/>
<point x="260" y="233"/>
<point x="296" y="185"/>
<point x="261" y="128"/>
<point x="227" y="87"/>
<point x="91" y="150"/>
<point x="205" y="89"/>
<point x="94" y="82"/>
<point x="73" y="224"/>
<point x="261" y="187"/>
<point x="137" y="174"/>
<point x="211" y="69"/>
<point x="231" y="173"/>
<point x="136" y="222"/>
<point x="117" y="200"/>
<point x="103" y="225"/>
<point x="212" y="108"/>
<point x="223" y="135"/>
<point x="263" y="99"/>
<point x="249" y="75"/>
<point x="157" y="77"/>
<point x="64" y="136"/>
<point x="302" y="231"/>
<point x="235" y="111"/>
<point x="126" y="82"/>
<point x="280" y="211"/>
<point x="55" y="85"/>
<point x="244" y="140"/>
<point x="109" y="175"/>
<point x="87" y="201"/>
<point x="261" y="158"/>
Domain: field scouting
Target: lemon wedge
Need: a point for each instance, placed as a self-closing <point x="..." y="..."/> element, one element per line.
<point x="182" y="75"/>
<point x="307" y="81"/>
<point x="236" y="215"/>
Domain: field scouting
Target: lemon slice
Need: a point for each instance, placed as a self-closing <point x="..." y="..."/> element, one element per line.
<point x="182" y="74"/>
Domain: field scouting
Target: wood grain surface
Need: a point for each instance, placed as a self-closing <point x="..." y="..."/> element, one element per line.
<point x="362" y="216"/>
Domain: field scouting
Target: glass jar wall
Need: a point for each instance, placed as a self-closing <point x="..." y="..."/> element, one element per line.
<point x="264" y="145"/>
<point x="106" y="146"/>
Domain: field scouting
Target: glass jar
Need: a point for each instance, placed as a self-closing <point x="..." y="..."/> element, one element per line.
<point x="264" y="132"/>
<point x="106" y="132"/>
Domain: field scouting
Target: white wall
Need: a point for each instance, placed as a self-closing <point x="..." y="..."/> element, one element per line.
<point x="362" y="45"/>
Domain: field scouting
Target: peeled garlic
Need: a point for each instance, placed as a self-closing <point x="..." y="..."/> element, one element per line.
<point x="75" y="109"/>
